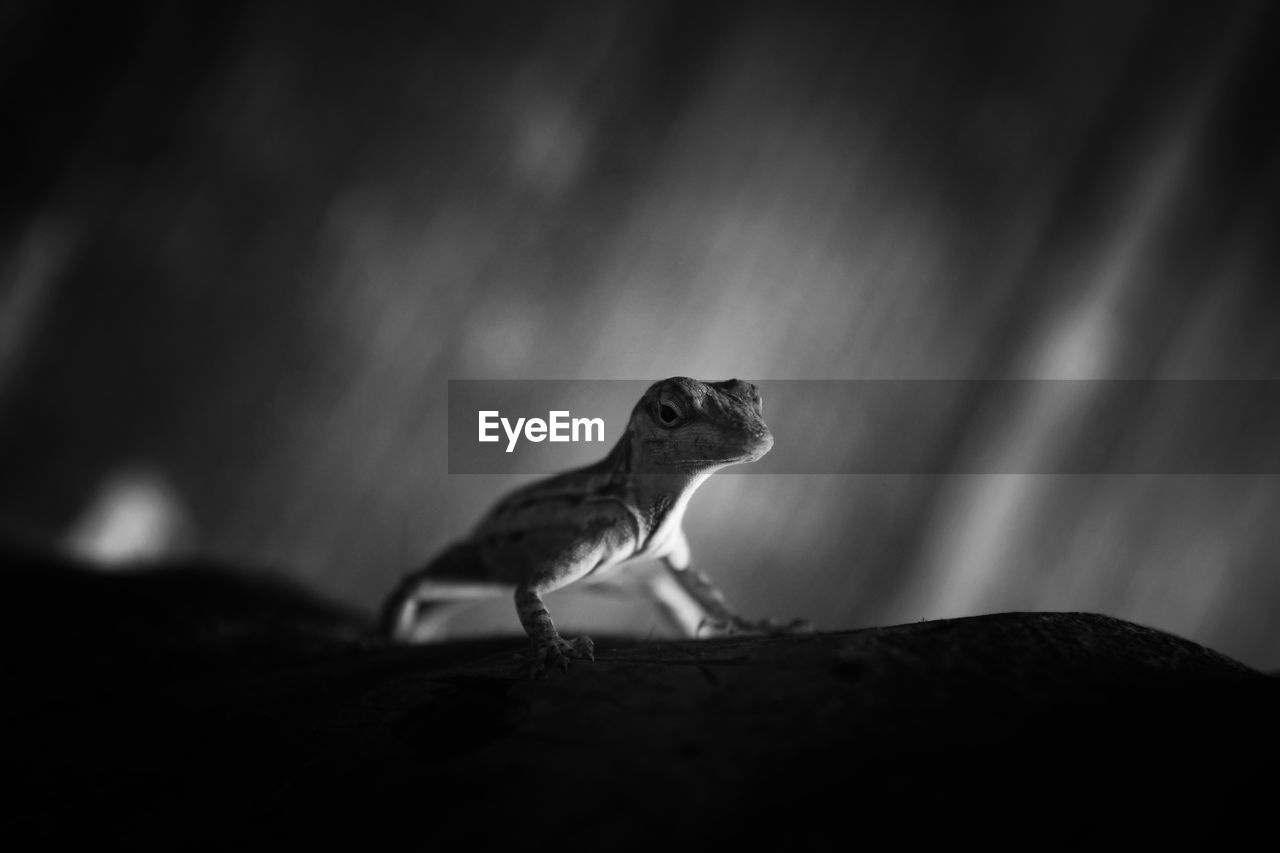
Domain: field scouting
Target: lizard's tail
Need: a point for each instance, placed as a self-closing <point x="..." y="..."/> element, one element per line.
<point x="416" y="610"/>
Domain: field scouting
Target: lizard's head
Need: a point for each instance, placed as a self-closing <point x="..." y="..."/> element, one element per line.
<point x="686" y="424"/>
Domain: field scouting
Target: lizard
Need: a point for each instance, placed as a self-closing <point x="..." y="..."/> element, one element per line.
<point x="585" y="524"/>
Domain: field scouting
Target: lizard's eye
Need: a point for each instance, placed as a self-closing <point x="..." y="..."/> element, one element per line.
<point x="668" y="414"/>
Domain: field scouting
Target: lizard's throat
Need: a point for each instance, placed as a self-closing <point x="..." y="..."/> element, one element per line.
<point x="666" y="492"/>
<point x="662" y="500"/>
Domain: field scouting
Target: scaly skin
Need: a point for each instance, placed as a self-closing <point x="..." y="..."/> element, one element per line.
<point x="585" y="524"/>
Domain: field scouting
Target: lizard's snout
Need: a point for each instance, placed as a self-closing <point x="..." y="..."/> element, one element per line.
<point x="739" y="410"/>
<point x="761" y="442"/>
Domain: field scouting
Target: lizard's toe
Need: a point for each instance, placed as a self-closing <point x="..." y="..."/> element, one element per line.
<point x="532" y="663"/>
<point x="535" y="660"/>
<point x="582" y="648"/>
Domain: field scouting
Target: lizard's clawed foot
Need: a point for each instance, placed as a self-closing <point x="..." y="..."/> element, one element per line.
<point x="557" y="651"/>
<point x="774" y="628"/>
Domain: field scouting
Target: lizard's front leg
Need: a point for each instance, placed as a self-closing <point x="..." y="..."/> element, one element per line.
<point x="548" y="645"/>
<point x="719" y="615"/>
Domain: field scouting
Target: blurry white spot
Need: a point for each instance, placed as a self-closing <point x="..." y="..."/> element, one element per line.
<point x="1079" y="347"/>
<point x="549" y="143"/>
<point x="135" y="517"/>
<point x="505" y="341"/>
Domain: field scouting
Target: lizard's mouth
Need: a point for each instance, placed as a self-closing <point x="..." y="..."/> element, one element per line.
<point x="752" y="448"/>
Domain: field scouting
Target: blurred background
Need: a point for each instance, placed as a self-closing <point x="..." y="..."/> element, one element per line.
<point x="243" y="247"/>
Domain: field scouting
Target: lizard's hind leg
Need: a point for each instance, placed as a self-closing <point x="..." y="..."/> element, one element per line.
<point x="418" y="610"/>
<point x="417" y="620"/>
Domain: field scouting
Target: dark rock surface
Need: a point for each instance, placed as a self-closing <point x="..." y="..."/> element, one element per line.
<point x="195" y="707"/>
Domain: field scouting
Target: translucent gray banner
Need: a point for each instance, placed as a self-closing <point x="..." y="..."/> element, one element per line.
<point x="900" y="426"/>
